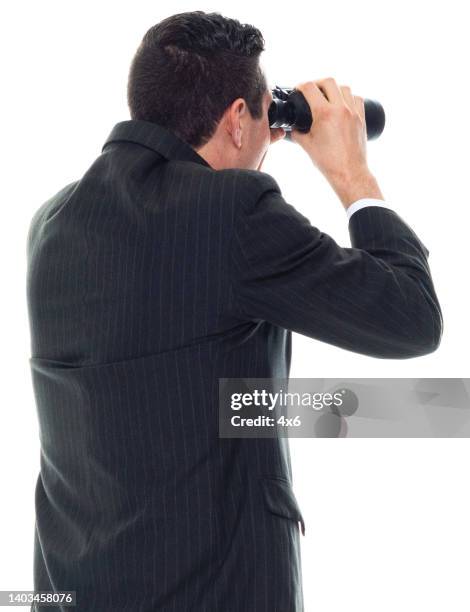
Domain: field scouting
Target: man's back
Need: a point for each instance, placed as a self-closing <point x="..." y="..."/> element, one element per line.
<point x="150" y="279"/>
<point x="134" y="318"/>
<point x="164" y="270"/>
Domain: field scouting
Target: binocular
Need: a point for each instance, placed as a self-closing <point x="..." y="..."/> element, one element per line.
<point x="290" y="110"/>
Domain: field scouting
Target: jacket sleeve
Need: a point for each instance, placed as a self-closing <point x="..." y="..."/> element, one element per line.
<point x="376" y="298"/>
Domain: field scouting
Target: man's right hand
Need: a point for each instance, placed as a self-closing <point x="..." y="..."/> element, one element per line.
<point x="337" y="140"/>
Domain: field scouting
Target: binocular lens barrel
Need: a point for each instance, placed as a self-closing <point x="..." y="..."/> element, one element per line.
<point x="291" y="111"/>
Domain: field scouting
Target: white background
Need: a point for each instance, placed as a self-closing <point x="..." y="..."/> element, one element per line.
<point x="387" y="520"/>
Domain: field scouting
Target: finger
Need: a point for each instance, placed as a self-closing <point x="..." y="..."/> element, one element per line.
<point x="348" y="97"/>
<point x="359" y="105"/>
<point x="277" y="134"/>
<point x="331" y="89"/>
<point x="312" y="94"/>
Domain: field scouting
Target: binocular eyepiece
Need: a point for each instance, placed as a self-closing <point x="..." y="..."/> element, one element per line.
<point x="291" y="111"/>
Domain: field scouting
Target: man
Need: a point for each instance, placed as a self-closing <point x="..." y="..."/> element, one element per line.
<point x="173" y="262"/>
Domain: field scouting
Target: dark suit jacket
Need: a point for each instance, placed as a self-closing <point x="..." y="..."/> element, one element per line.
<point x="149" y="279"/>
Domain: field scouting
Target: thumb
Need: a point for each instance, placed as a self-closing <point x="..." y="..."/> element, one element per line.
<point x="277" y="134"/>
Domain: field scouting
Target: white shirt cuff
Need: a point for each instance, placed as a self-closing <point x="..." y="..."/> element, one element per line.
<point x="363" y="203"/>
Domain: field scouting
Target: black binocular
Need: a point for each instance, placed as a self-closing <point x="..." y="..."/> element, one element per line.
<point x="291" y="111"/>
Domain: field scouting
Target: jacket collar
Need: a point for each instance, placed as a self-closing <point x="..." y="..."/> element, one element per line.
<point x="155" y="137"/>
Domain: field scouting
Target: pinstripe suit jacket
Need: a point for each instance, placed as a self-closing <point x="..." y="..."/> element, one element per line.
<point x="149" y="279"/>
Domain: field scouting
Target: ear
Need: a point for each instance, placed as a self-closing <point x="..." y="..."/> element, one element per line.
<point x="235" y="115"/>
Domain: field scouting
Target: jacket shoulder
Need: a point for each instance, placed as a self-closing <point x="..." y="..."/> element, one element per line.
<point x="251" y="184"/>
<point x="45" y="212"/>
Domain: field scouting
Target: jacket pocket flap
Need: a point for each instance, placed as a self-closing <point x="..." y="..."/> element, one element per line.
<point x="280" y="499"/>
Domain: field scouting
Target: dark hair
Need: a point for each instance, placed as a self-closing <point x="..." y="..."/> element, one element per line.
<point x="190" y="67"/>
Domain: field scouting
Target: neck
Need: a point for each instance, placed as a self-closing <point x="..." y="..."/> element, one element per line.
<point x="219" y="155"/>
